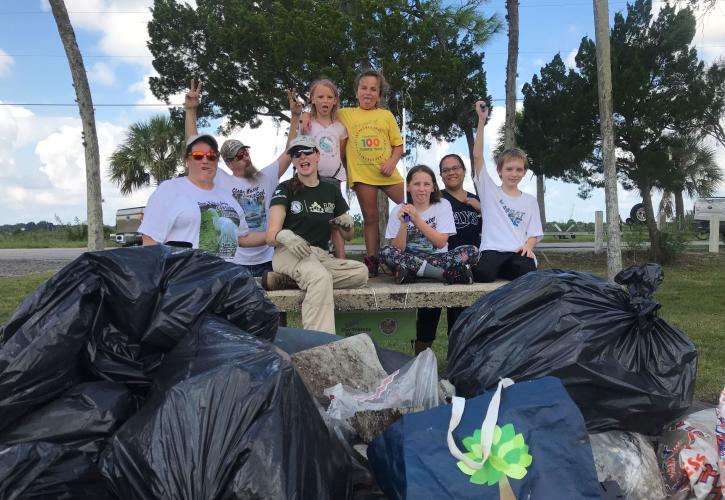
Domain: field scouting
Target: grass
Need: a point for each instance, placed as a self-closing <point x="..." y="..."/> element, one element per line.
<point x="692" y="298"/>
<point x="40" y="239"/>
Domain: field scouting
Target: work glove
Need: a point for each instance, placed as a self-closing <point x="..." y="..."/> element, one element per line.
<point x="295" y="244"/>
<point x="344" y="221"/>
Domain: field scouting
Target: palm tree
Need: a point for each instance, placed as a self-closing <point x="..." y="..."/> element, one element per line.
<point x="152" y="151"/>
<point x="696" y="174"/>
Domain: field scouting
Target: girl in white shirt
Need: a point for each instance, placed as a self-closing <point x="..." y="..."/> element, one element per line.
<point x="419" y="246"/>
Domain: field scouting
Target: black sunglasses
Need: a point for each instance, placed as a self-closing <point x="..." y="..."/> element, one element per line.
<point x="299" y="152"/>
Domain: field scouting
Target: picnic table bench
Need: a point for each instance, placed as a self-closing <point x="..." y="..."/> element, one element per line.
<point x="382" y="294"/>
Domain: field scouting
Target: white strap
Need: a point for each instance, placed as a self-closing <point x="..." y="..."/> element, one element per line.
<point x="487" y="427"/>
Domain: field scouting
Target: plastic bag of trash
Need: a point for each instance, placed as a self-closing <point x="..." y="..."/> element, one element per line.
<point x="48" y="470"/>
<point x="628" y="459"/>
<point x="39" y="355"/>
<point x="625" y="367"/>
<point x="415" y="385"/>
<point x="82" y="418"/>
<point x="526" y="440"/>
<point x="227" y="417"/>
<point x="688" y="456"/>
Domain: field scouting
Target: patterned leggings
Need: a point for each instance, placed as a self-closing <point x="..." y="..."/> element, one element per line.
<point x="394" y="257"/>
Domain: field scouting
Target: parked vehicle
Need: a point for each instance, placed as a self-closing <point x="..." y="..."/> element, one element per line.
<point x="128" y="221"/>
<point x="704" y="209"/>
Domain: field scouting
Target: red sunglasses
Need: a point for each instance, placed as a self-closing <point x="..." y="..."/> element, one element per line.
<point x="198" y="155"/>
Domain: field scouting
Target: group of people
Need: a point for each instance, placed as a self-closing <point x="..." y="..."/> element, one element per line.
<point x="293" y="232"/>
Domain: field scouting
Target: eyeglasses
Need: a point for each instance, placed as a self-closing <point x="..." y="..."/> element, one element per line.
<point x="300" y="152"/>
<point x="445" y="171"/>
<point x="210" y="155"/>
<point x="241" y="154"/>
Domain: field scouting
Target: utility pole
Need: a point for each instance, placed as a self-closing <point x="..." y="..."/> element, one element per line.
<point x="604" y="84"/>
<point x="90" y="139"/>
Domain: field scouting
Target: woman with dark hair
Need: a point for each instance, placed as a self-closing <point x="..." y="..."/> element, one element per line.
<point x="303" y="213"/>
<point x="467" y="217"/>
<point x="191" y="211"/>
<point x="419" y="246"/>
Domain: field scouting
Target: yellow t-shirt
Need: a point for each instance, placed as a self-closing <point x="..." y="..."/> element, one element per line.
<point x="371" y="136"/>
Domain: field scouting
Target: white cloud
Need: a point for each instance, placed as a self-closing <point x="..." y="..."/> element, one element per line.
<point x="710" y="36"/>
<point x="6" y="62"/>
<point x="102" y="73"/>
<point x="570" y="60"/>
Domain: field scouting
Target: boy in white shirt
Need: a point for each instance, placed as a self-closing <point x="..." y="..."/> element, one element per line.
<point x="511" y="219"/>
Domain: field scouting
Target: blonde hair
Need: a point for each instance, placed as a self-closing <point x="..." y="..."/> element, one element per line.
<point x="511" y="154"/>
<point x="325" y="83"/>
<point x="383" y="86"/>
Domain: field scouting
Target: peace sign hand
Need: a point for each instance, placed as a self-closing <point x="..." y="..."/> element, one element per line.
<point x="191" y="99"/>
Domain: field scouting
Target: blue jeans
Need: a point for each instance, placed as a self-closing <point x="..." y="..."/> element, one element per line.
<point x="257" y="270"/>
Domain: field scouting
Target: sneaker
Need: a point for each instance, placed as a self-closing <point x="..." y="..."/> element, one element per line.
<point x="460" y="275"/>
<point x="277" y="281"/>
<point x="373" y="264"/>
<point x="404" y="276"/>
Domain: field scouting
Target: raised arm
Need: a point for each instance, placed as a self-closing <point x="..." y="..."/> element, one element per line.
<point x="295" y="107"/>
<point x="479" y="164"/>
<point x="191" y="102"/>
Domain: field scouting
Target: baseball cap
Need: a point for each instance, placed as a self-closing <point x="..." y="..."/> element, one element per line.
<point x="301" y="142"/>
<point x="230" y="148"/>
<point x="194" y="138"/>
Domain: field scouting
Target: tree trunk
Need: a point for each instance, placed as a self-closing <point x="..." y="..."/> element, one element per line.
<point x="512" y="16"/>
<point x="90" y="139"/>
<point x="469" y="140"/>
<point x="679" y="209"/>
<point x="540" y="190"/>
<point x="604" y="84"/>
<point x="655" y="243"/>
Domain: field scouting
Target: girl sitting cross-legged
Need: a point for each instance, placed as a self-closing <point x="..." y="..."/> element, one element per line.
<point x="419" y="247"/>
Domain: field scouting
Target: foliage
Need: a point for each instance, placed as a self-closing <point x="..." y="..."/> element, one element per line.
<point x="153" y="151"/>
<point x="557" y="125"/>
<point x="715" y="95"/>
<point x="249" y="53"/>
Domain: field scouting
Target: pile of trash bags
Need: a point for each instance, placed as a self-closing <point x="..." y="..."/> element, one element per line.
<point x="149" y="373"/>
<point x="152" y="373"/>
<point x="626" y="368"/>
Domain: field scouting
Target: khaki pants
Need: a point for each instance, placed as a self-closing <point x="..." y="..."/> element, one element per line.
<point x="318" y="274"/>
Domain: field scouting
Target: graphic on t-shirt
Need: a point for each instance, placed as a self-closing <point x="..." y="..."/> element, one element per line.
<point x="514" y="215"/>
<point x="417" y="242"/>
<point x="371" y="143"/>
<point x="327" y="145"/>
<point x="252" y="202"/>
<point x="218" y="229"/>
<point x="463" y="219"/>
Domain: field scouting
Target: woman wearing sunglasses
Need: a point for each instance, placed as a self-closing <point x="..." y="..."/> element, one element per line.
<point x="190" y="211"/>
<point x="303" y="214"/>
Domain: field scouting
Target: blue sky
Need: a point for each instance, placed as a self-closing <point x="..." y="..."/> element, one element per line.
<point x="42" y="170"/>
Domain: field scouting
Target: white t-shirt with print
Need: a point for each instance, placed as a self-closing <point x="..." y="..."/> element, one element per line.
<point x="253" y="196"/>
<point x="439" y="216"/>
<point x="209" y="219"/>
<point x="508" y="221"/>
<point x="328" y="142"/>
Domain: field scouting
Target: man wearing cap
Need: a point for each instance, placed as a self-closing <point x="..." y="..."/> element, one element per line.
<point x="304" y="211"/>
<point x="191" y="211"/>
<point x="252" y="188"/>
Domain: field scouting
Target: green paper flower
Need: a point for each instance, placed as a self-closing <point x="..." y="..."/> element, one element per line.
<point x="509" y="457"/>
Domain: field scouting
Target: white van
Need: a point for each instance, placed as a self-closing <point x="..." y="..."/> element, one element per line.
<point x="704" y="209"/>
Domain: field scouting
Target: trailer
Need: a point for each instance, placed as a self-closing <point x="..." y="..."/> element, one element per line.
<point x="128" y="221"/>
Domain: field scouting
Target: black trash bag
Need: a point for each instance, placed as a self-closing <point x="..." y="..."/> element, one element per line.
<point x="227" y="417"/>
<point x="625" y="368"/>
<point x="39" y="355"/>
<point x="81" y="419"/>
<point x="199" y="283"/>
<point x="39" y="470"/>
